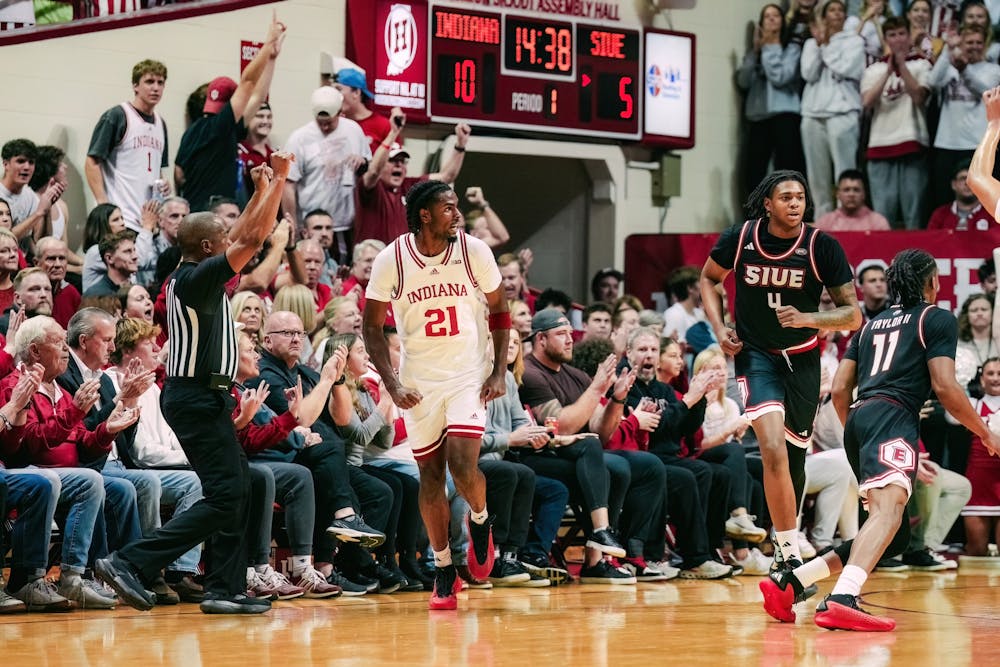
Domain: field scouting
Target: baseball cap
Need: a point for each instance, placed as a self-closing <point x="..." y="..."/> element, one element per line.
<point x="396" y="151"/>
<point x="326" y="99"/>
<point x="219" y="91"/>
<point x="354" y="79"/>
<point x="546" y="319"/>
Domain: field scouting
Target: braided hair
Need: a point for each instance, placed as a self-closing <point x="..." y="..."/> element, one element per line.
<point x="754" y="206"/>
<point x="907" y="276"/>
<point x="419" y="197"/>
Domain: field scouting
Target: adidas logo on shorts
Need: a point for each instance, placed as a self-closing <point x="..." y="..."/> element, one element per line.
<point x="748" y="246"/>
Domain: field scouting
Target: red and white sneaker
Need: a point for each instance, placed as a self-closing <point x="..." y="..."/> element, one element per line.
<point x="841" y="612"/>
<point x="480" y="555"/>
<point x="446" y="587"/>
<point x="315" y="584"/>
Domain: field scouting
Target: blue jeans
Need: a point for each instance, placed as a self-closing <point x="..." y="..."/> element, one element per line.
<point x="35" y="498"/>
<point x="118" y="525"/>
<point x="154" y="488"/>
<point x="459" y="538"/>
<point x="547" y="509"/>
<point x="82" y="489"/>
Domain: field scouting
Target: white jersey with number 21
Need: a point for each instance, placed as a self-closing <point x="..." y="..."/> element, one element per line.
<point x="439" y="308"/>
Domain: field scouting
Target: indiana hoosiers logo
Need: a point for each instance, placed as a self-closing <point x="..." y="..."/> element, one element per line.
<point x="897" y="454"/>
<point x="400" y="39"/>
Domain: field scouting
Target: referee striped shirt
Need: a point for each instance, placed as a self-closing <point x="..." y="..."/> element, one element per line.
<point x="200" y="328"/>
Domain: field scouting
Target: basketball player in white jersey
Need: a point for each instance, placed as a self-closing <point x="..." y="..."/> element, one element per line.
<point x="437" y="277"/>
<point x="128" y="148"/>
<point x="981" y="180"/>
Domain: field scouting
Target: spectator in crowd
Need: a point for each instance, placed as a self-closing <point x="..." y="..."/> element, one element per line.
<point x="206" y="161"/>
<point x="312" y="256"/>
<point x="623" y="322"/>
<point x="121" y="260"/>
<point x="482" y="221"/>
<point x="722" y="430"/>
<point x="356" y="282"/>
<point x="605" y="286"/>
<point x="939" y="497"/>
<point x="28" y="209"/>
<point x="987" y="274"/>
<point x="364" y="415"/>
<point x="151" y="243"/>
<point x="686" y="309"/>
<point x="380" y="211"/>
<point x="964" y="213"/>
<point x="54" y="436"/>
<point x="153" y="455"/>
<point x="226" y="209"/>
<point x="51" y="255"/>
<point x="874" y="291"/>
<point x="895" y="89"/>
<point x="116" y="169"/>
<point x="553" y="298"/>
<point x="50" y="167"/>
<point x="653" y="320"/>
<point x="852" y="214"/>
<point x="103" y="220"/>
<point x="32" y="296"/>
<point x="341" y="315"/>
<point x="974" y="12"/>
<point x="981" y="515"/>
<point x="689" y="480"/>
<point x="533" y="514"/>
<point x="869" y="24"/>
<point x="299" y="299"/>
<point x="352" y="86"/>
<point x="975" y="328"/>
<point x="515" y="285"/>
<point x="769" y="76"/>
<point x="520" y="317"/>
<point x="344" y="489"/>
<point x="319" y="227"/>
<point x="276" y="446"/>
<point x="918" y="13"/>
<point x="8" y="268"/>
<point x="961" y="76"/>
<point x="136" y="302"/>
<point x="596" y="321"/>
<point x="832" y="63"/>
<point x="249" y="310"/>
<point x="255" y="150"/>
<point x="552" y="389"/>
<point x="329" y="152"/>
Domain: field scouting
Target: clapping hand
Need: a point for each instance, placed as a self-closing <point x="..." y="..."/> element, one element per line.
<point x="121" y="418"/>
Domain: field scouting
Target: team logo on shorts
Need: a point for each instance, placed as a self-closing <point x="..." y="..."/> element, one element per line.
<point x="897" y="454"/>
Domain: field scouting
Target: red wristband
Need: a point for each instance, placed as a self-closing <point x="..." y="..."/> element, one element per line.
<point x="499" y="321"/>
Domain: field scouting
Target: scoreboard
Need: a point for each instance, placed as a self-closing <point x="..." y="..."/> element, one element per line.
<point x="540" y="72"/>
<point x="505" y="70"/>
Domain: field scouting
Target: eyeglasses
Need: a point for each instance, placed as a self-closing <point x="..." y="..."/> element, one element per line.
<point x="288" y="334"/>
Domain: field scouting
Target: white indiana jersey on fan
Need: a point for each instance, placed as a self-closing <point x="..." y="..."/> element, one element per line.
<point x="439" y="308"/>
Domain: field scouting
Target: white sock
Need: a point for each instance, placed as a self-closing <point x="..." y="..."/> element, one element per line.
<point x="479" y="517"/>
<point x="598" y="529"/>
<point x="813" y="571"/>
<point x="442" y="558"/>
<point x="67" y="577"/>
<point x="739" y="511"/>
<point x="261" y="569"/>
<point x="299" y="564"/>
<point x="850" y="582"/>
<point x="788" y="542"/>
<point x="344" y="513"/>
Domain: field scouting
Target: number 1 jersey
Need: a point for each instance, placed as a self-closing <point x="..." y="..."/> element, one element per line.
<point x="892" y="351"/>
<point x="439" y="308"/>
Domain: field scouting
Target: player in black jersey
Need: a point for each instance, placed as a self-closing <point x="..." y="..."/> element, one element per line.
<point x="894" y="362"/>
<point x="781" y="266"/>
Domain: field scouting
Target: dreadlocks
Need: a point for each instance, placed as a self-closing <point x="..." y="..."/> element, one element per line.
<point x="420" y="196"/>
<point x="907" y="276"/>
<point x="754" y="206"/>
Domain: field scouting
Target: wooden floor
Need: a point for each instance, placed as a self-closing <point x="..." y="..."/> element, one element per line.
<point x="943" y="619"/>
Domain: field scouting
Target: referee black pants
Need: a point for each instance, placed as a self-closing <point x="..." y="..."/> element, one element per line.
<point x="202" y="420"/>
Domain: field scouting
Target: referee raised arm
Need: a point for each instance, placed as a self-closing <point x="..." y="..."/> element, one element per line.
<point x="197" y="405"/>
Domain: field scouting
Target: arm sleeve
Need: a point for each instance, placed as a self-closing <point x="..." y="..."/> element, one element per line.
<point x="980" y="77"/>
<point x="834" y="269"/>
<point x="724" y="252"/>
<point x="871" y="76"/>
<point x="811" y="62"/>
<point x="384" y="278"/>
<point x="781" y="65"/>
<point x="747" y="71"/>
<point x="846" y="57"/>
<point x="365" y="432"/>
<point x="942" y="70"/>
<point x="940" y="331"/>
<point x="107" y="133"/>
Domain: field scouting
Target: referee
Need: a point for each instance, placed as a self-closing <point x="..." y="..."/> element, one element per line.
<point x="198" y="407"/>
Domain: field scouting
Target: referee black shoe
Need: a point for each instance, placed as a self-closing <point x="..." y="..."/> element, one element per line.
<point x="122" y="577"/>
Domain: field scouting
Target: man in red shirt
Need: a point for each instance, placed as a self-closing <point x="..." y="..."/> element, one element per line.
<point x="50" y="256"/>
<point x="351" y="84"/>
<point x="965" y="213"/>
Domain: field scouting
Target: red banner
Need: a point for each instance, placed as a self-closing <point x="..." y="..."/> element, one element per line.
<point x="649" y="258"/>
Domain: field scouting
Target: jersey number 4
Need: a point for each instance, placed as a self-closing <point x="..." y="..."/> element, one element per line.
<point x="436" y="318"/>
<point x="885" y="348"/>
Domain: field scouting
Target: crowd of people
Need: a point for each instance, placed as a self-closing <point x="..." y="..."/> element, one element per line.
<point x="878" y="102"/>
<point x="636" y="420"/>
